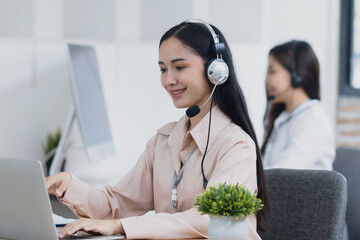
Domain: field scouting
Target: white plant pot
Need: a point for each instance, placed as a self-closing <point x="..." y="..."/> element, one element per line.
<point x="227" y="228"/>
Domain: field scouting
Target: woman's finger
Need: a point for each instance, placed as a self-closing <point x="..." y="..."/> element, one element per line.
<point x="58" y="184"/>
<point x="50" y="182"/>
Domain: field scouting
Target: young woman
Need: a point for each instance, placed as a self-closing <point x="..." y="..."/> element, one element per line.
<point x="298" y="133"/>
<point x="215" y="144"/>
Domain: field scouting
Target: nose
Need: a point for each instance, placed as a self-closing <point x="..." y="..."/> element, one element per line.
<point x="168" y="79"/>
<point x="267" y="80"/>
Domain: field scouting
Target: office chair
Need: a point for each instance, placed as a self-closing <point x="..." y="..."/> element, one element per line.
<point x="347" y="162"/>
<point x="305" y="204"/>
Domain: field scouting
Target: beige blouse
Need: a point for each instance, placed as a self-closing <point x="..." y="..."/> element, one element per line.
<point x="231" y="158"/>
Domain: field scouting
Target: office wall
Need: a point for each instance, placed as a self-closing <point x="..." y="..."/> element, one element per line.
<point x="348" y="121"/>
<point x="35" y="96"/>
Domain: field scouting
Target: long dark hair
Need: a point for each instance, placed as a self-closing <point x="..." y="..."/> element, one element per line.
<point x="229" y="96"/>
<point x="307" y="67"/>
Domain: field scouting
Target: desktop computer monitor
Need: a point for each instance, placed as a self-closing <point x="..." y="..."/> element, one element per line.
<point x="90" y="103"/>
<point x="90" y="107"/>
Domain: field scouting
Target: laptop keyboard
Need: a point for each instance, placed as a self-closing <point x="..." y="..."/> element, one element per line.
<point x="94" y="237"/>
<point x="75" y="237"/>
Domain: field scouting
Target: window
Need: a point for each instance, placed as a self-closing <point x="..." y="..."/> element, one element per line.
<point x="350" y="47"/>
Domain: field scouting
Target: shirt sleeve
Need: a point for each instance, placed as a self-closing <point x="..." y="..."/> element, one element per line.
<point x="133" y="195"/>
<point x="237" y="165"/>
<point x="187" y="224"/>
<point x="310" y="146"/>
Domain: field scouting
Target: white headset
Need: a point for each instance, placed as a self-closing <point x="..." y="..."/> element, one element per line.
<point x="217" y="71"/>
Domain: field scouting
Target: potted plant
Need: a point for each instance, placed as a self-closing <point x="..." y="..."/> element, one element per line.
<point x="227" y="206"/>
<point x="49" y="148"/>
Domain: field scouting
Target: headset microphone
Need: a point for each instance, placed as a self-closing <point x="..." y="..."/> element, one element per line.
<point x="217" y="72"/>
<point x="272" y="97"/>
<point x="195" y="110"/>
<point x="192" y="111"/>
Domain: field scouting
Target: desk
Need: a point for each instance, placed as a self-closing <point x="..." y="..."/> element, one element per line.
<point x="155" y="239"/>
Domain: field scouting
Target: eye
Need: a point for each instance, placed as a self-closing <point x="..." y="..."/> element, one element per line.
<point x="179" y="68"/>
<point x="162" y="70"/>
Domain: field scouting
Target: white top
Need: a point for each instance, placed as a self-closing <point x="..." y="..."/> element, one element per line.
<point x="302" y="139"/>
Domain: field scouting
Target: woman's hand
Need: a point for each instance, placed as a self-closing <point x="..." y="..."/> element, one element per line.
<point x="58" y="184"/>
<point x="104" y="227"/>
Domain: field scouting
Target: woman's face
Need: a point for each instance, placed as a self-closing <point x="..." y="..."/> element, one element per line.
<point x="183" y="74"/>
<point x="278" y="81"/>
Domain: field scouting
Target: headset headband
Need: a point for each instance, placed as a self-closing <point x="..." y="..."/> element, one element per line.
<point x="293" y="56"/>
<point x="218" y="47"/>
<point x="296" y="79"/>
<point x="216" y="69"/>
<point x="211" y="30"/>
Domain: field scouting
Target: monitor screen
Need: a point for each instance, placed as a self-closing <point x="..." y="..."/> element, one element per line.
<point x="90" y="103"/>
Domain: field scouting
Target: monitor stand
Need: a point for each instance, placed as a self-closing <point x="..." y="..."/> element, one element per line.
<point x="58" y="162"/>
<point x="71" y="155"/>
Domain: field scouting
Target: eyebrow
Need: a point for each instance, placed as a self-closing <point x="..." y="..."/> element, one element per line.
<point x="174" y="60"/>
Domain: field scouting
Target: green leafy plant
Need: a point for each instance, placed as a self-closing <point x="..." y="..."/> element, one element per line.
<point x="228" y="200"/>
<point x="49" y="148"/>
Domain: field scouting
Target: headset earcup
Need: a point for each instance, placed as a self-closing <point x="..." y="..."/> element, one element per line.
<point x="217" y="71"/>
<point x="296" y="80"/>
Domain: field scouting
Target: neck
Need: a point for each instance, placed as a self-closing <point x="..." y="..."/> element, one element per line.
<point x="203" y="111"/>
<point x="297" y="97"/>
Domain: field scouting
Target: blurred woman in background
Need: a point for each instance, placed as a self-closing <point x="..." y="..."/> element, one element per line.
<point x="298" y="133"/>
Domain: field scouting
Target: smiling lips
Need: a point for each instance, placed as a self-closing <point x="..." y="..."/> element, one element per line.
<point x="177" y="93"/>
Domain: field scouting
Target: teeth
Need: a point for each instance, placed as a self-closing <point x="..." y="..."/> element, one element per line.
<point x="176" y="92"/>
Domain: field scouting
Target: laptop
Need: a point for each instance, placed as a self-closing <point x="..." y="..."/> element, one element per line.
<point x="25" y="209"/>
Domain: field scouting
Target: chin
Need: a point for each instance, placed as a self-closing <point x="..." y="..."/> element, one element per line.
<point x="181" y="105"/>
<point x="277" y="101"/>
